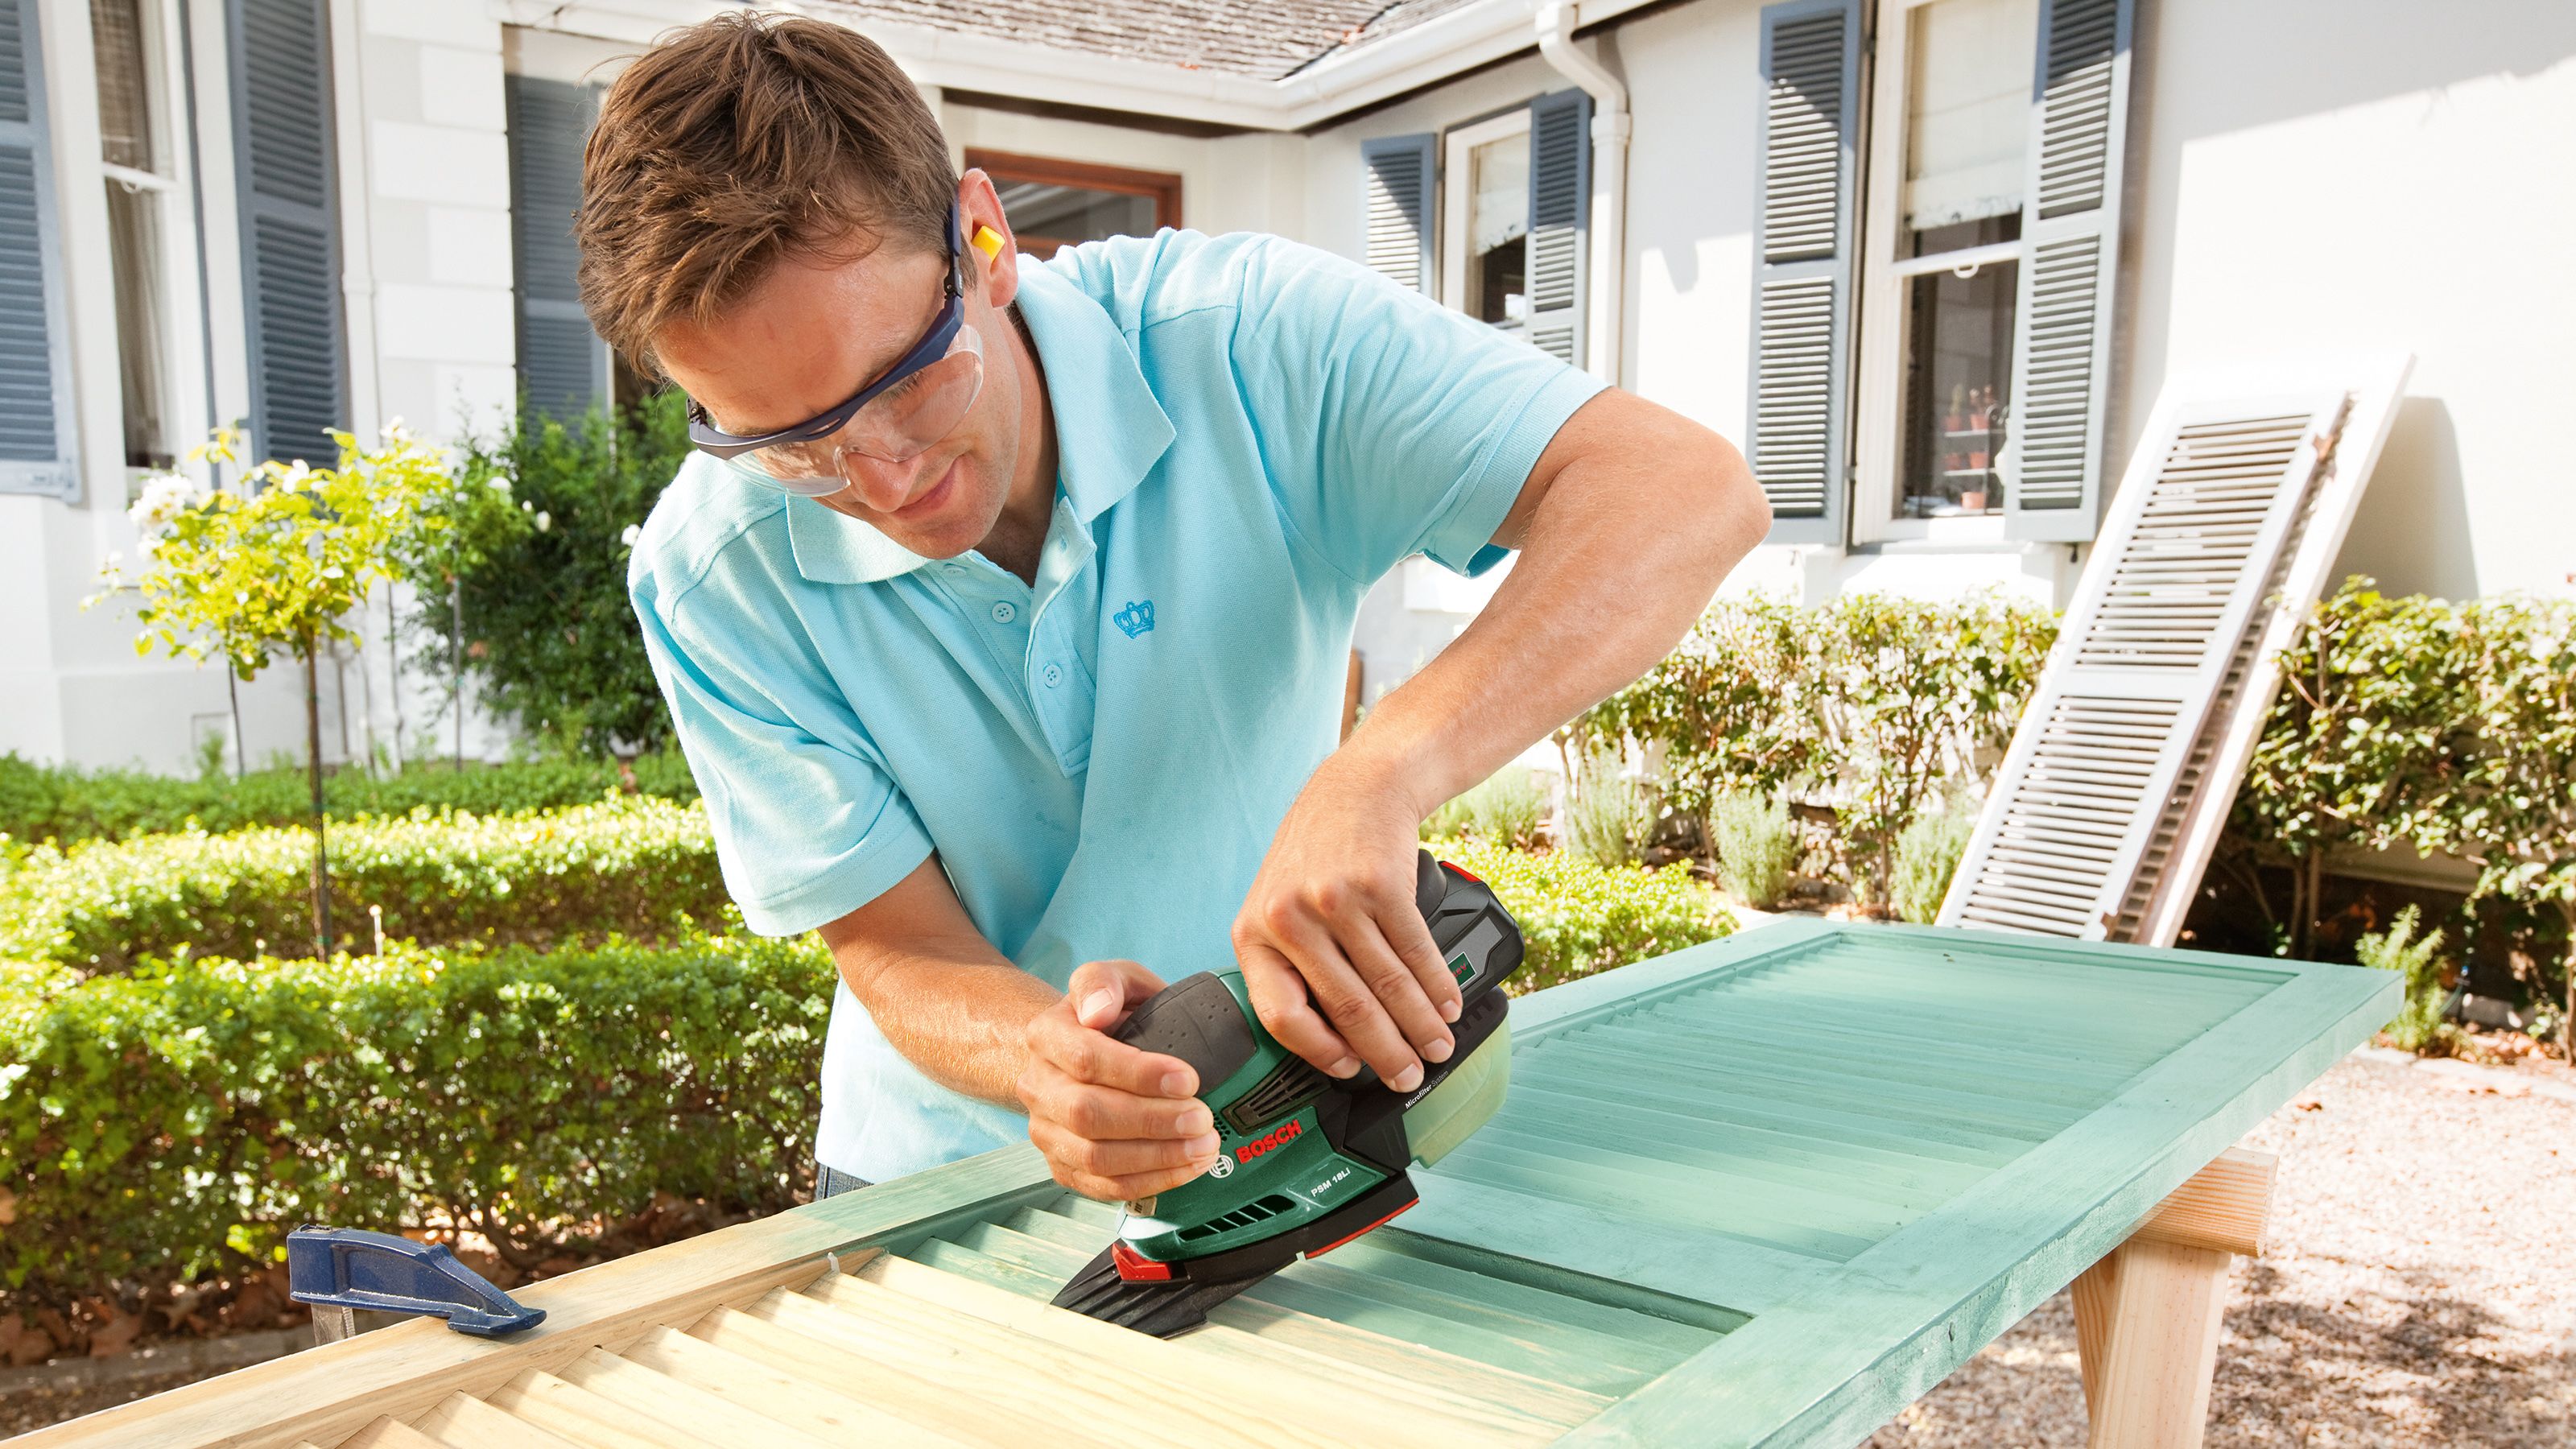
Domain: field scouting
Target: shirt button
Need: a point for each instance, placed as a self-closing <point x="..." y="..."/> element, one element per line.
<point x="1003" y="613"/>
<point x="1053" y="676"/>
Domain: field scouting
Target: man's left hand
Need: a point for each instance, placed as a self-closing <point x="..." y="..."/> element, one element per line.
<point x="1339" y="963"/>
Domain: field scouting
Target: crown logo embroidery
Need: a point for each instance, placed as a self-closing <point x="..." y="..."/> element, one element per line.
<point x="1137" y="618"/>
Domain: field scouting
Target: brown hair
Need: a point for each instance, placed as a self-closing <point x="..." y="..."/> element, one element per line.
<point x="730" y="143"/>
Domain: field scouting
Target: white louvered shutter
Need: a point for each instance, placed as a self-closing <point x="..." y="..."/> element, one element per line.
<point x="35" y="356"/>
<point x="1560" y="207"/>
<point x="283" y="154"/>
<point x="1802" y="275"/>
<point x="1396" y="175"/>
<point x="2070" y="226"/>
<point x="563" y="365"/>
<point x="2173" y="586"/>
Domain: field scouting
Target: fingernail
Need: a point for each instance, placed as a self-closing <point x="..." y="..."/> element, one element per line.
<point x="1449" y="1011"/>
<point x="1198" y="1122"/>
<point x="1203" y="1145"/>
<point x="1438" y="1051"/>
<point x="1098" y="1002"/>
<point x="1177" y="1084"/>
<point x="1346" y="1067"/>
<point x="1408" y="1079"/>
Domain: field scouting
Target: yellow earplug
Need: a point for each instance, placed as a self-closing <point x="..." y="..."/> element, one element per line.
<point x="987" y="241"/>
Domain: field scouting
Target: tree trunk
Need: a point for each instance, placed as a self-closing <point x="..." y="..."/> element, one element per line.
<point x="313" y="777"/>
<point x="456" y="664"/>
<point x="393" y="672"/>
<point x="2567" y="971"/>
<point x="232" y="686"/>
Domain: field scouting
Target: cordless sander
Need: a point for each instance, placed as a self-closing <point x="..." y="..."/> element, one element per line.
<point x="1305" y="1162"/>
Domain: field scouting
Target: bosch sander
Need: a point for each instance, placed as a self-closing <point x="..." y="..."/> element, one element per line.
<point x="1305" y="1162"/>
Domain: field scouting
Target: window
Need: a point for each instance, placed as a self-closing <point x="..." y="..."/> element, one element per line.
<point x="133" y="156"/>
<point x="1485" y="270"/>
<point x="1056" y="204"/>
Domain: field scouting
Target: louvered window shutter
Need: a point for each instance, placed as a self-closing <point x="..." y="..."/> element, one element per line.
<point x="1560" y="267"/>
<point x="1802" y="277"/>
<point x="283" y="155"/>
<point x="2070" y="226"/>
<point x="2194" y="540"/>
<point x="1396" y="176"/>
<point x="563" y="366"/>
<point x="35" y="356"/>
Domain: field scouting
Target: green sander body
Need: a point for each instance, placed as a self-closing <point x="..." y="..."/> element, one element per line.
<point x="1304" y="1162"/>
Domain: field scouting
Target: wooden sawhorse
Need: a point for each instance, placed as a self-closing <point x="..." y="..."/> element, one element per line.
<point x="2147" y="1315"/>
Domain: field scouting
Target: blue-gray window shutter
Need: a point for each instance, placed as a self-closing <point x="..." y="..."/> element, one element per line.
<point x="1396" y="176"/>
<point x="36" y="430"/>
<point x="1802" y="270"/>
<point x="2070" y="226"/>
<point x="283" y="154"/>
<point x="563" y="366"/>
<point x="1560" y="213"/>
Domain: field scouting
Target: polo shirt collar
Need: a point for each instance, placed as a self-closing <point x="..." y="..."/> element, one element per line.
<point x="1109" y="432"/>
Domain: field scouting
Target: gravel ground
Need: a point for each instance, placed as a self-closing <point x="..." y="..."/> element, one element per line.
<point x="2421" y="1288"/>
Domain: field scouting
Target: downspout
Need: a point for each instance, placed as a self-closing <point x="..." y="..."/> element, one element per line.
<point x="1610" y="128"/>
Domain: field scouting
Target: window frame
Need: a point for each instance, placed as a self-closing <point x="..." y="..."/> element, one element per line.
<point x="1458" y="197"/>
<point x="1879" y="366"/>
<point x="1163" y="188"/>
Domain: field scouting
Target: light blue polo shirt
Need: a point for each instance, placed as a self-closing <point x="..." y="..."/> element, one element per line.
<point x="1251" y="432"/>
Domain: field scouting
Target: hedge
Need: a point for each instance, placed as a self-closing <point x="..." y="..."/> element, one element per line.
<point x="638" y="866"/>
<point x="175" y="1120"/>
<point x="51" y="802"/>
<point x="1578" y="916"/>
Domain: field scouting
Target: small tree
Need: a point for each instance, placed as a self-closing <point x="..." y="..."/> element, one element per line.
<point x="2515" y="815"/>
<point x="463" y="519"/>
<point x="272" y="568"/>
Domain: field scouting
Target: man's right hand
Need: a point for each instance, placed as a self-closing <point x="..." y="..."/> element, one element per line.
<point x="1115" y="1123"/>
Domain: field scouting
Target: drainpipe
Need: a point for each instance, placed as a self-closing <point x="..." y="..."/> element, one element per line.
<point x="1610" y="128"/>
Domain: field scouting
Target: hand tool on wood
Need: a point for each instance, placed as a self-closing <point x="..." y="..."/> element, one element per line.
<point x="1305" y="1162"/>
<point x="342" y="1271"/>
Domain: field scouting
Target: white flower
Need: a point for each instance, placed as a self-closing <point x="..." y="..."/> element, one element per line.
<point x="501" y="484"/>
<point x="298" y="474"/>
<point x="165" y="497"/>
<point x="545" y="520"/>
<point x="633" y="532"/>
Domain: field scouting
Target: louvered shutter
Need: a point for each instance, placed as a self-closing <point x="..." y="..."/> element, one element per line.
<point x="2070" y="226"/>
<point x="35" y="357"/>
<point x="1802" y="275"/>
<point x="1560" y="207"/>
<point x="2173" y="587"/>
<point x="283" y="155"/>
<point x="1397" y="173"/>
<point x="563" y="366"/>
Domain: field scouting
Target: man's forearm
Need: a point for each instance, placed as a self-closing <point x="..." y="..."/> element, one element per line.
<point x="1636" y="528"/>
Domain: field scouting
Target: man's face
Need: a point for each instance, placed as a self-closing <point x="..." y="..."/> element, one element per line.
<point x="817" y="329"/>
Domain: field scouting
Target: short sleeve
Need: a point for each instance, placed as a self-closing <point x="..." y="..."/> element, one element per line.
<point x="807" y="829"/>
<point x="1389" y="425"/>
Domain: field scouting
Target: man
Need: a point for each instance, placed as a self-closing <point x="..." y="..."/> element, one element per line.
<point x="1004" y="609"/>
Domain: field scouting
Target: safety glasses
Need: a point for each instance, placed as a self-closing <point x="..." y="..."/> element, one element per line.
<point x="894" y="419"/>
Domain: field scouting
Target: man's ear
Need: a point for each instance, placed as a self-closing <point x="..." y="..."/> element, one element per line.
<point x="992" y="254"/>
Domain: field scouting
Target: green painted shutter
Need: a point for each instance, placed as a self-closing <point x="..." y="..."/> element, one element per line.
<point x="1802" y="274"/>
<point x="1397" y="175"/>
<point x="563" y="366"/>
<point x="35" y="357"/>
<point x="1560" y="268"/>
<point x="283" y="154"/>
<point x="2070" y="226"/>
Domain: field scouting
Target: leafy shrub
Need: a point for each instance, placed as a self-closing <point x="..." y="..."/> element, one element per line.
<point x="2416" y="961"/>
<point x="1608" y="814"/>
<point x="634" y="865"/>
<point x="1578" y="916"/>
<point x="172" y="1121"/>
<point x="1757" y="847"/>
<point x="1504" y="810"/>
<point x="1927" y="855"/>
<point x="54" y="802"/>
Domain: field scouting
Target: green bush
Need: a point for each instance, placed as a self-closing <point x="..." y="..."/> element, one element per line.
<point x="1578" y="916"/>
<point x="164" y="1123"/>
<point x="1608" y="814"/>
<point x="53" y="802"/>
<point x="1504" y="809"/>
<point x="631" y="865"/>
<point x="1927" y="855"/>
<point x="1757" y="847"/>
<point x="2416" y="960"/>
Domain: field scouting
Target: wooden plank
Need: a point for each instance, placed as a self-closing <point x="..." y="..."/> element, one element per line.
<point x="386" y="1432"/>
<point x="330" y="1392"/>
<point x="1830" y="1366"/>
<point x="2096" y="1292"/>
<point x="575" y="1413"/>
<point x="2225" y="1208"/>
<point x="2162" y="1344"/>
<point x="462" y="1421"/>
<point x="692" y="1410"/>
<point x="826" y="1411"/>
<point x="918" y="1401"/>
